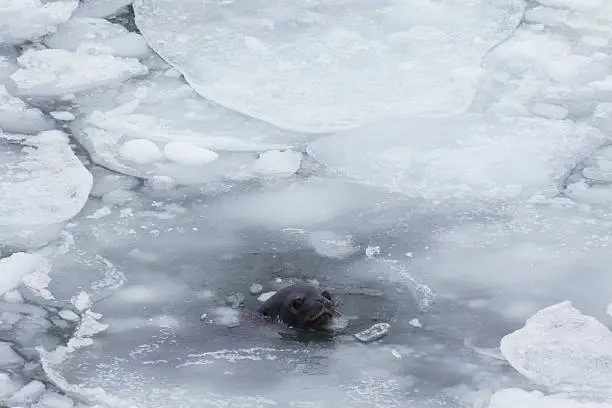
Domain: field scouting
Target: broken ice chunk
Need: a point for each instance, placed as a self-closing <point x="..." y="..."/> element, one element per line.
<point x="235" y="300"/>
<point x="255" y="289"/>
<point x="265" y="296"/>
<point x="376" y="332"/>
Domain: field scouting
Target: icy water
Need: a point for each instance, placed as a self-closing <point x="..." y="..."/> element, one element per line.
<point x="441" y="166"/>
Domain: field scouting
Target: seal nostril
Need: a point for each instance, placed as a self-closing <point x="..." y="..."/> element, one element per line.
<point x="297" y="303"/>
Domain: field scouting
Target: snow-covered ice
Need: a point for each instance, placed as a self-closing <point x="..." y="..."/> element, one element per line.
<point x="276" y="162"/>
<point x="564" y="350"/>
<point x="17" y="117"/>
<point x="55" y="72"/>
<point x="42" y="184"/>
<point x="477" y="157"/>
<point x="167" y="113"/>
<point x="30" y="19"/>
<point x="313" y="66"/>
<point x="99" y="35"/>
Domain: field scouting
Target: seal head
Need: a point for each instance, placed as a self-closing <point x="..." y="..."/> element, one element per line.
<point x="301" y="306"/>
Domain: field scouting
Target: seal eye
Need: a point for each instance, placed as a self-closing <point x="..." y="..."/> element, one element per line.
<point x="297" y="303"/>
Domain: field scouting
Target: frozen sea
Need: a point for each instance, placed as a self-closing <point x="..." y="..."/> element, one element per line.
<point x="443" y="166"/>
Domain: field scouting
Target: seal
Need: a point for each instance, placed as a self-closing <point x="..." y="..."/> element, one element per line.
<point x="301" y="306"/>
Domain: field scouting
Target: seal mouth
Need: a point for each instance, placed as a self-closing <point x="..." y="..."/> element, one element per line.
<point x="320" y="317"/>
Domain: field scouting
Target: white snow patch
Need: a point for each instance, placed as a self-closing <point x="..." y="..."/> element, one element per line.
<point x="278" y="163"/>
<point x="564" y="350"/>
<point x="187" y="154"/>
<point x="54" y="72"/>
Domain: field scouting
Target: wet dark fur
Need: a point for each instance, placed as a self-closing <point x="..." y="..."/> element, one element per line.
<point x="301" y="306"/>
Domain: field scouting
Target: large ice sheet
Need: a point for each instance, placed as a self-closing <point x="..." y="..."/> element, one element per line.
<point x="145" y="127"/>
<point x="481" y="157"/>
<point x="564" y="350"/>
<point x="100" y="9"/>
<point x="514" y="397"/>
<point x="319" y="66"/>
<point x="29" y="19"/>
<point x="557" y="72"/>
<point x="41" y="183"/>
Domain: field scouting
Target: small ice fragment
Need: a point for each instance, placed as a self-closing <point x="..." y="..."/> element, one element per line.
<point x="266" y="295"/>
<point x="415" y="323"/>
<point x="255" y="289"/>
<point x="29" y="394"/>
<point x="278" y="280"/>
<point x="141" y="151"/>
<point x="69" y="315"/>
<point x="396" y="353"/>
<point x="609" y="309"/>
<point x="187" y="154"/>
<point x="376" y="332"/>
<point x="235" y="300"/>
<point x="8" y="357"/>
<point x="54" y="400"/>
<point x="161" y="183"/>
<point x="62" y="115"/>
<point x="331" y="245"/>
<point x="13" y="296"/>
<point x="81" y="301"/>
<point x="277" y="163"/>
<point x="100" y="213"/>
<point x="371" y="251"/>
<point x="227" y="317"/>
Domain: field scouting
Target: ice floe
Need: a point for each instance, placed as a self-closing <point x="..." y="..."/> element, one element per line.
<point x="464" y="157"/>
<point x="29" y="19"/>
<point x="313" y="66"/>
<point x="42" y="184"/>
<point x="564" y="350"/>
